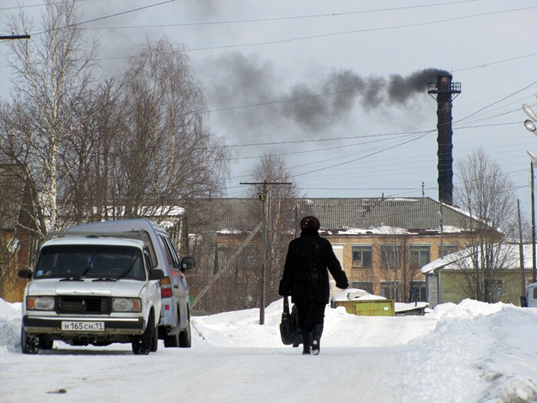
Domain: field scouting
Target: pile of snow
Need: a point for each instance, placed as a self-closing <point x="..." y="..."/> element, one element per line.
<point x="10" y="326"/>
<point x="490" y="348"/>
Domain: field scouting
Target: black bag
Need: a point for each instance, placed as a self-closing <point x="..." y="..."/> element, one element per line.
<point x="289" y="330"/>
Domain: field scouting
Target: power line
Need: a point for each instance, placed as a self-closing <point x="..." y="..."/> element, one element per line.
<point x="298" y="17"/>
<point x="500" y="100"/>
<point x="418" y="24"/>
<point x="31" y="5"/>
<point x="366" y="156"/>
<point x="108" y="16"/>
<point x="327" y="139"/>
<point x="400" y="134"/>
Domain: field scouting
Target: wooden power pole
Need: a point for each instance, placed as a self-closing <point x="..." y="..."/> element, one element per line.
<point x="263" y="196"/>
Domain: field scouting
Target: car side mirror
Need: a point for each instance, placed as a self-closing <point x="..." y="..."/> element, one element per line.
<point x="188" y="263"/>
<point x="156" y="274"/>
<point x="25" y="273"/>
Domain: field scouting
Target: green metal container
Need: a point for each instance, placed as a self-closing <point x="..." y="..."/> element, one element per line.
<point x="383" y="307"/>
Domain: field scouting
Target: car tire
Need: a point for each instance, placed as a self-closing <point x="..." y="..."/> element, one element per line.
<point x="154" y="343"/>
<point x="29" y="343"/>
<point x="185" y="337"/>
<point x="142" y="344"/>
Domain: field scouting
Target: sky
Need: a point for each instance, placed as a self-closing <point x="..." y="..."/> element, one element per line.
<point x="313" y="82"/>
<point x="469" y="352"/>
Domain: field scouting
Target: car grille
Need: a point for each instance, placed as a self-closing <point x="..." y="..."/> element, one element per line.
<point x="84" y="305"/>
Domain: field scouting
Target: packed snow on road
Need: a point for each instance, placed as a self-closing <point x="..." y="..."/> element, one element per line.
<point x="470" y="352"/>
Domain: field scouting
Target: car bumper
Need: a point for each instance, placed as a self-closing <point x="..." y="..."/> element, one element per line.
<point x="53" y="325"/>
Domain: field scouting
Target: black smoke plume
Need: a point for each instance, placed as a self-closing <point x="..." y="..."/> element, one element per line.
<point x="249" y="94"/>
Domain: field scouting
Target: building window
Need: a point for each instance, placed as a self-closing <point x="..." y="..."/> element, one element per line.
<point x="361" y="256"/>
<point x="419" y="255"/>
<point x="390" y="256"/>
<point x="447" y="249"/>
<point x="418" y="291"/>
<point x="363" y="285"/>
<point x="495" y="286"/>
<point x="390" y="290"/>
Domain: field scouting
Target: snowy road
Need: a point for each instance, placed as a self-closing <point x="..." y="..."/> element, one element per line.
<point x="202" y="374"/>
<point x="471" y="352"/>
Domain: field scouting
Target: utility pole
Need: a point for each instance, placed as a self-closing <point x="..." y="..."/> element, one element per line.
<point x="533" y="257"/>
<point x="521" y="252"/>
<point x="263" y="196"/>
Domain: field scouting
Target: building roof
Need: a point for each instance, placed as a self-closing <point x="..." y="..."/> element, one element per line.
<point x="334" y="213"/>
<point x="507" y="253"/>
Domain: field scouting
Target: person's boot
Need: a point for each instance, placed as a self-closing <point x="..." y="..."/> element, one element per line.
<point x="317" y="332"/>
<point x="306" y="339"/>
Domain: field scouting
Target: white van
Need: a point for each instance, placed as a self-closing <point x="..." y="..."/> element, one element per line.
<point x="174" y="325"/>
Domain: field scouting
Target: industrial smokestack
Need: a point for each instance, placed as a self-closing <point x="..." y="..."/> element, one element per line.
<point x="445" y="92"/>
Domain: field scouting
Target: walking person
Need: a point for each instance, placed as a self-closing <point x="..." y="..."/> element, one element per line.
<point x="305" y="279"/>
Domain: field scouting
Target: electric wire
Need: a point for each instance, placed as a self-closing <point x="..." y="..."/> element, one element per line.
<point x="106" y="17"/>
<point x="419" y="24"/>
<point x="299" y="17"/>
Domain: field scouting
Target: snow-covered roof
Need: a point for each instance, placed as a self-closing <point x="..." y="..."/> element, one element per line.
<point x="444" y="261"/>
<point x="384" y="230"/>
<point x="356" y="294"/>
<point x="344" y="216"/>
<point x="508" y="254"/>
<point x="405" y="307"/>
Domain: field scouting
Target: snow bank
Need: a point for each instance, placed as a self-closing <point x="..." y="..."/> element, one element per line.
<point x="10" y="326"/>
<point x="476" y="352"/>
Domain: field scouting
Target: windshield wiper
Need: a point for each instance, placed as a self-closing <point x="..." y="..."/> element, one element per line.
<point x="105" y="279"/>
<point x="72" y="279"/>
<point x="90" y="261"/>
<point x="129" y="268"/>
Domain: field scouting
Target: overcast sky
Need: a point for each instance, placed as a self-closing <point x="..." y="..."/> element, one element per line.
<point x="312" y="81"/>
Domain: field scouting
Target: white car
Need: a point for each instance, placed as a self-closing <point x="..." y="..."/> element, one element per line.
<point x="92" y="290"/>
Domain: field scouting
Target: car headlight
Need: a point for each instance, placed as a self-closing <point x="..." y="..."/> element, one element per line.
<point x="126" y="305"/>
<point x="40" y="303"/>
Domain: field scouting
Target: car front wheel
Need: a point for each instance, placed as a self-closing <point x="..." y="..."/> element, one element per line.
<point x="142" y="344"/>
<point x="29" y="343"/>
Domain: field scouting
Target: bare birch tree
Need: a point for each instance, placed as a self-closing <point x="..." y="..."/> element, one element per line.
<point x="166" y="154"/>
<point x="393" y="266"/>
<point x="52" y="73"/>
<point x="487" y="194"/>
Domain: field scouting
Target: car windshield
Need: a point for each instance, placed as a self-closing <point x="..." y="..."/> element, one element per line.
<point x="90" y="261"/>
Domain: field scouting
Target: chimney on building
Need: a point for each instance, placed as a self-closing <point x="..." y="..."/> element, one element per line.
<point x="445" y="91"/>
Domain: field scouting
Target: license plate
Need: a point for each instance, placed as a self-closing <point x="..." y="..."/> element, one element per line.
<point x="83" y="326"/>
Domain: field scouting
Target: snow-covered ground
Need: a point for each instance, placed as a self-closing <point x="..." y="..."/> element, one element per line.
<point x="470" y="352"/>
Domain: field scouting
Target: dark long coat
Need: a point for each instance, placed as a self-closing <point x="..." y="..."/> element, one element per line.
<point x="305" y="275"/>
